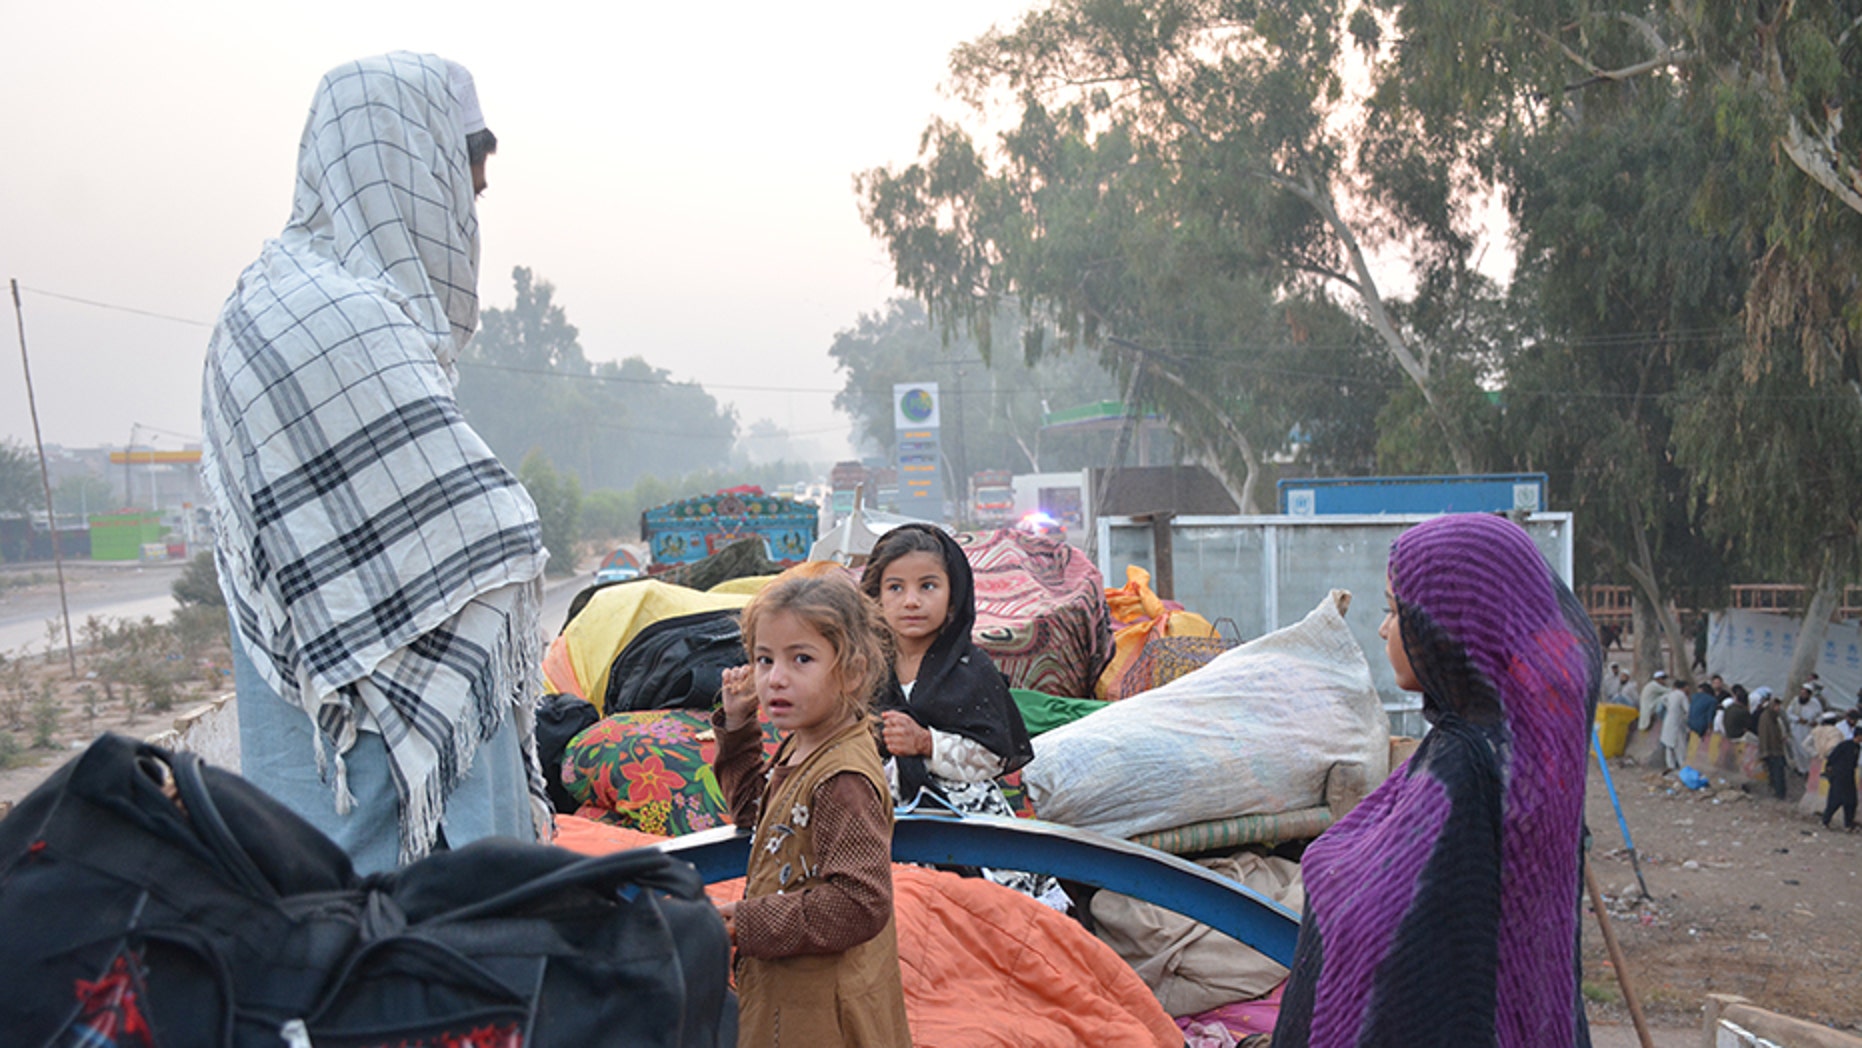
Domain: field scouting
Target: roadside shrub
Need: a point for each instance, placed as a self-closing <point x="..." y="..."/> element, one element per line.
<point x="15" y="692"/>
<point x="199" y="584"/>
<point x="45" y="715"/>
<point x="197" y="629"/>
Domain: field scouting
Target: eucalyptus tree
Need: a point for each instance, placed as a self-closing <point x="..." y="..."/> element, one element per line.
<point x="1796" y="68"/>
<point x="1778" y="78"/>
<point x="1772" y="174"/>
<point x="1781" y="462"/>
<point x="1777" y="461"/>
<point x="1170" y="175"/>
<point x="1631" y="300"/>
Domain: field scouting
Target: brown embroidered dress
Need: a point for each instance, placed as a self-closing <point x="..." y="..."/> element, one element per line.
<point x="817" y="949"/>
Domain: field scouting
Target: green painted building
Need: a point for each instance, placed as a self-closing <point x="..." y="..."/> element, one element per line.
<point x="121" y="535"/>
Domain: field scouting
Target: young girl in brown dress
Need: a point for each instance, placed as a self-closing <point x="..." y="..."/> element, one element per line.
<point x="817" y="950"/>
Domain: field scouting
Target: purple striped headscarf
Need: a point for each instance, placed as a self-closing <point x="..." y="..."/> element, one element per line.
<point x="1443" y="909"/>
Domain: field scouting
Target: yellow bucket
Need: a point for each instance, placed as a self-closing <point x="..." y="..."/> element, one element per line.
<point x="1613" y="723"/>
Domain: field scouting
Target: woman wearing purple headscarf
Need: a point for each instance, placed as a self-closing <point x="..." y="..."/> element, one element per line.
<point x="1444" y="908"/>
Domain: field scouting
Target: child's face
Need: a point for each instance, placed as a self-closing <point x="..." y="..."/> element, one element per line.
<point x="914" y="596"/>
<point x="796" y="681"/>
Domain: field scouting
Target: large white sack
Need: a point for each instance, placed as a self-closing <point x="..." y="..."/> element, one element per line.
<point x="1255" y="731"/>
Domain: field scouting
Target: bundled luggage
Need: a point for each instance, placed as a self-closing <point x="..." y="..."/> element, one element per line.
<point x="676" y="663"/>
<point x="153" y="901"/>
<point x="1256" y="731"/>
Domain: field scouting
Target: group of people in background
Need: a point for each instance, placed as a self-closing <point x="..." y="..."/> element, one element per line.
<point x="1785" y="737"/>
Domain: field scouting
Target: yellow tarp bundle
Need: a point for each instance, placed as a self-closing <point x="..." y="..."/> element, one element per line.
<point x="1140" y="614"/>
<point x="587" y="648"/>
<point x="749" y="585"/>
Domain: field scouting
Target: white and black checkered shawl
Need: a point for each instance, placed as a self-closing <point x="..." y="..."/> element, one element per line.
<point x="382" y="567"/>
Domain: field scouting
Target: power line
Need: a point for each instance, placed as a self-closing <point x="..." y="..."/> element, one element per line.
<point x="117" y="308"/>
<point x="1210" y="350"/>
<point x="628" y="380"/>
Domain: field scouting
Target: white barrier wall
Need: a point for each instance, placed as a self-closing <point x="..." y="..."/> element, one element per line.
<point x="210" y="729"/>
<point x="1268" y="572"/>
<point x="1754" y="648"/>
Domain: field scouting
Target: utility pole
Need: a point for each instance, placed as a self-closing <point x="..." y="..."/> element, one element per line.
<point x="45" y="480"/>
<point x="129" y="465"/>
<point x="962" y="456"/>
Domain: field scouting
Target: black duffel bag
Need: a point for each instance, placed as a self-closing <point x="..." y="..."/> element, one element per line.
<point x="149" y="900"/>
<point x="676" y="663"/>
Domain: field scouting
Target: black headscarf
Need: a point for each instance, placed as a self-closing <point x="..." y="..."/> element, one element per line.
<point x="959" y="690"/>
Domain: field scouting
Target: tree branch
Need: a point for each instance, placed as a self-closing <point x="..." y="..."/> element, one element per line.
<point x="1216" y="413"/>
<point x="1663" y="54"/>
<point x="1817" y="156"/>
<point x="1628" y="72"/>
<point x="1320" y="202"/>
<point x="1819" y="159"/>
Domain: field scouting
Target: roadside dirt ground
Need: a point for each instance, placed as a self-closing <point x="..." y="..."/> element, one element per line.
<point x="1749" y="896"/>
<point x="29" y="599"/>
<point x="37" y="669"/>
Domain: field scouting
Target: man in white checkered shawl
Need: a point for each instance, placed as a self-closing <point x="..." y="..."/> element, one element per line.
<point x="382" y="568"/>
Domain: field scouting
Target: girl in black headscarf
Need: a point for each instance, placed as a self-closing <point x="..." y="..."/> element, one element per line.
<point x="949" y="727"/>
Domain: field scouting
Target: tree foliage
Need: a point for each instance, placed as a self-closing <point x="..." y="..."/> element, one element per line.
<point x="1632" y="298"/>
<point x="1776" y="79"/>
<point x="198" y="585"/>
<point x="526" y="386"/>
<point x="559" y="509"/>
<point x="1705" y="208"/>
<point x="1774" y="460"/>
<point x="992" y="405"/>
<point x="1178" y="174"/>
<point x="1797" y="68"/>
<point x="78" y="493"/>
<point x="20" y="487"/>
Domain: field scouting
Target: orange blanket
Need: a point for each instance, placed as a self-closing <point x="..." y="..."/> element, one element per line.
<point x="983" y="966"/>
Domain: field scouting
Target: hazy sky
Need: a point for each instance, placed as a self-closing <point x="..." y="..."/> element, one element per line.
<point x="682" y="173"/>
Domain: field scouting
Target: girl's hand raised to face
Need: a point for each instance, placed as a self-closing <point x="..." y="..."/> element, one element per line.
<point x="739" y="694"/>
<point x="904" y="737"/>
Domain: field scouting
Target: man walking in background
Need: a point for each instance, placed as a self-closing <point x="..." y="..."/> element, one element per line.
<point x="1772" y="745"/>
<point x="1650" y="704"/>
<point x="1674" y="729"/>
<point x="1701" y="707"/>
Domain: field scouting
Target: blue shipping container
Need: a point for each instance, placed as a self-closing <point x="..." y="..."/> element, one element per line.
<point x="1474" y="493"/>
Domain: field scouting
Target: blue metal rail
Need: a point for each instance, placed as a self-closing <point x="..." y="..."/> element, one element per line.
<point x="1060" y="851"/>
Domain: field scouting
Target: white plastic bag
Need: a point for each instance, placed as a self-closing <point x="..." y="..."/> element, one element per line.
<point x="1253" y="732"/>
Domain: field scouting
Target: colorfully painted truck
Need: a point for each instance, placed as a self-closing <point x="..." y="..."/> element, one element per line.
<point x="690" y="530"/>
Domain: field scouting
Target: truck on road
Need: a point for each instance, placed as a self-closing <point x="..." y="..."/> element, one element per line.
<point x="992" y="498"/>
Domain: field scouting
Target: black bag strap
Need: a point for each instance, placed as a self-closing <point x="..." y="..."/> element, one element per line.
<point x="211" y="827"/>
<point x="647" y="868"/>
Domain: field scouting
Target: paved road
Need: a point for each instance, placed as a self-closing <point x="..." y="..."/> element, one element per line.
<point x="131" y="591"/>
<point x="127" y="590"/>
